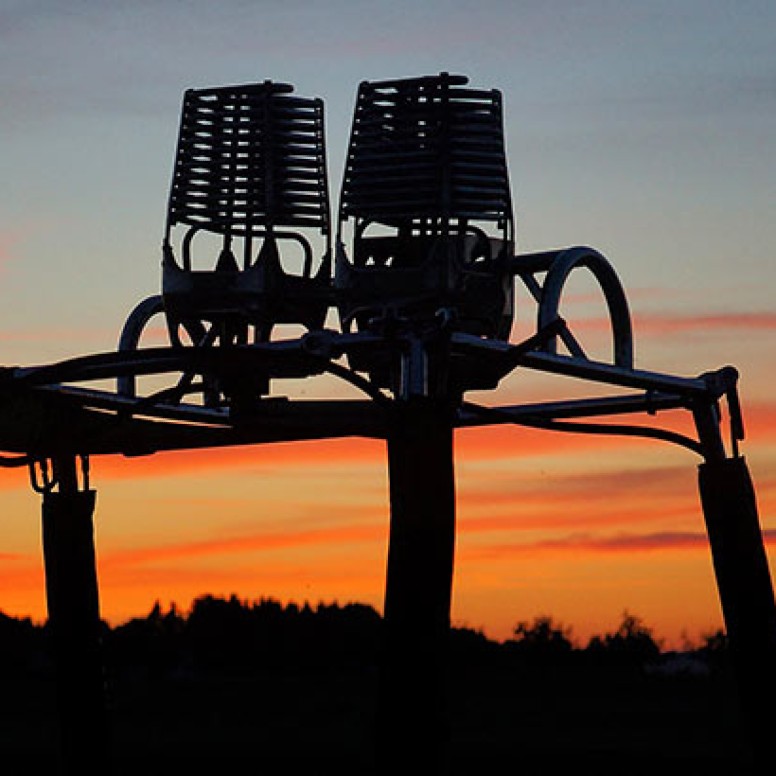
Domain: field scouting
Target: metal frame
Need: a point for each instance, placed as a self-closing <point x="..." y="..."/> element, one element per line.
<point x="403" y="343"/>
<point x="101" y="414"/>
<point x="250" y="175"/>
<point x="427" y="208"/>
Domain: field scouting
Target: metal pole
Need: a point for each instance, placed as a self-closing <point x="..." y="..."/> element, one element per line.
<point x="412" y="725"/>
<point x="74" y="622"/>
<point x="744" y="583"/>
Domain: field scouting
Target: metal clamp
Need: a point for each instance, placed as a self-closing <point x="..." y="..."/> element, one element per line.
<point x="43" y="476"/>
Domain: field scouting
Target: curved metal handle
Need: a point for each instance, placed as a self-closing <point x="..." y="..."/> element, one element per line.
<point x="130" y="337"/>
<point x="619" y="314"/>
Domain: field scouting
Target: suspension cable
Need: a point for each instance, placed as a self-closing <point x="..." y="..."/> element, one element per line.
<point x="616" y="429"/>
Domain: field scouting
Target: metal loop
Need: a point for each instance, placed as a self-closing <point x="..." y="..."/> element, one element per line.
<point x="41" y="478"/>
<point x="619" y="314"/>
<point x="130" y="338"/>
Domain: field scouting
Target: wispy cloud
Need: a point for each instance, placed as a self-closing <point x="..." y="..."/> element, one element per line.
<point x="658" y="324"/>
<point x="83" y="335"/>
<point x="665" y="323"/>
<point x="621" y="543"/>
<point x="760" y="421"/>
<point x="265" y="542"/>
<point x="594" y="500"/>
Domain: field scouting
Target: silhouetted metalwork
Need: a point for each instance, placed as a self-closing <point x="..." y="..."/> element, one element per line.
<point x="426" y="195"/>
<point x="250" y="169"/>
<point x="423" y="284"/>
<point x="74" y="616"/>
<point x="246" y="245"/>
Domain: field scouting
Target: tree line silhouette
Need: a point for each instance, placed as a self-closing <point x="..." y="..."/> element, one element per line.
<point x="227" y="633"/>
<point x="230" y="682"/>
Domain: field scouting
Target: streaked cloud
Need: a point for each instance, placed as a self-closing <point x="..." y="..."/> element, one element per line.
<point x="265" y="542"/>
<point x="666" y="323"/>
<point x="623" y="543"/>
<point x="595" y="502"/>
<point x="659" y="324"/>
<point x="567" y="501"/>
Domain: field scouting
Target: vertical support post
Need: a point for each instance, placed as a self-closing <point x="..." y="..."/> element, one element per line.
<point x="744" y="584"/>
<point x="412" y="724"/>
<point x="74" y="621"/>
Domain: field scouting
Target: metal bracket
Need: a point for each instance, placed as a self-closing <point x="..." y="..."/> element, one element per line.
<point x="44" y="477"/>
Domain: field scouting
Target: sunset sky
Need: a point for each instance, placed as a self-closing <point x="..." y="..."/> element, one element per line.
<point x="646" y="130"/>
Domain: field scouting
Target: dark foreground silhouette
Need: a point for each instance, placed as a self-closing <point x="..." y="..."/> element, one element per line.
<point x="263" y="688"/>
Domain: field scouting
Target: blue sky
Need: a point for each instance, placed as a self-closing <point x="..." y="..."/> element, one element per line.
<point x="645" y="130"/>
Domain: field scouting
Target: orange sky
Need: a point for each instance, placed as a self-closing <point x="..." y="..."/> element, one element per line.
<point x="578" y="527"/>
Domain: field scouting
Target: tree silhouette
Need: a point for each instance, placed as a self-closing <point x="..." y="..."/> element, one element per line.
<point x="22" y="644"/>
<point x="223" y="632"/>
<point x="152" y="644"/>
<point x="542" y="639"/>
<point x="631" y="644"/>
